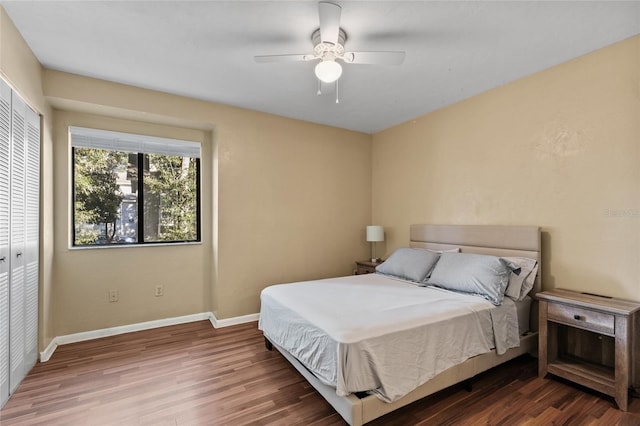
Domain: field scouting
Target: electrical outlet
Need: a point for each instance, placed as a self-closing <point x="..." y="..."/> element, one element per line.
<point x="159" y="290"/>
<point x="113" y="295"/>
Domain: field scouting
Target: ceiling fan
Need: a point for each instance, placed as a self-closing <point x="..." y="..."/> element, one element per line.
<point x="328" y="42"/>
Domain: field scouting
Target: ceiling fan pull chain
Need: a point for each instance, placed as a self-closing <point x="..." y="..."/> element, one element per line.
<point x="319" y="92"/>
<point x="337" y="99"/>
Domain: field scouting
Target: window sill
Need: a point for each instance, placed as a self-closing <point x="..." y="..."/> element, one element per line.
<point x="146" y="245"/>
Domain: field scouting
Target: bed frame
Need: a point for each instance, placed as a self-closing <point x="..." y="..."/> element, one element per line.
<point x="493" y="240"/>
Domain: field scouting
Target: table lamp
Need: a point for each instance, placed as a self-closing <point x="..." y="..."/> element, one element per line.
<point x="375" y="233"/>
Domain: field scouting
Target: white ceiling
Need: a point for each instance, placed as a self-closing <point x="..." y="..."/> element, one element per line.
<point x="205" y="49"/>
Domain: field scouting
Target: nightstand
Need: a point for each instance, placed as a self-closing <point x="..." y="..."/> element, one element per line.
<point x="366" y="267"/>
<point x="590" y="340"/>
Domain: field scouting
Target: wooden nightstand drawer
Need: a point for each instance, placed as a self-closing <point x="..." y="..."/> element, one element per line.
<point x="366" y="267"/>
<point x="582" y="318"/>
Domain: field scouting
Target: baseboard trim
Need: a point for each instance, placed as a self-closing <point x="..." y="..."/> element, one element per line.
<point x="48" y="351"/>
<point x="226" y="322"/>
<point x="46" y="354"/>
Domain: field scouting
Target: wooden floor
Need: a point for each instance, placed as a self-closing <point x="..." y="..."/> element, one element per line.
<point x="192" y="374"/>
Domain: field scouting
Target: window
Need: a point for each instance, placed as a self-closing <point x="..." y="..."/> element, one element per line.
<point x="134" y="189"/>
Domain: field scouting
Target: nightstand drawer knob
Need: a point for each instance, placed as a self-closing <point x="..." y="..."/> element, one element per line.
<point x="577" y="317"/>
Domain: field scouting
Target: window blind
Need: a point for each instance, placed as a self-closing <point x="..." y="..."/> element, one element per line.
<point x="104" y="139"/>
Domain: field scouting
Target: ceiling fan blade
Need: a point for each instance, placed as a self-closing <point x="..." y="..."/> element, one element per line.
<point x="329" y="22"/>
<point x="381" y="58"/>
<point x="283" y="58"/>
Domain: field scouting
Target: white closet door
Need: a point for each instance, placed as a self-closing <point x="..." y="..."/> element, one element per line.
<point x="17" y="306"/>
<point x="5" y="163"/>
<point x="32" y="233"/>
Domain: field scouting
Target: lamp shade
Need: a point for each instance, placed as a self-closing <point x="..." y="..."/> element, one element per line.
<point x="375" y="233"/>
<point x="328" y="71"/>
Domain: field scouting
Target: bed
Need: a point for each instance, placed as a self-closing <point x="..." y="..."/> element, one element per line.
<point x="370" y="344"/>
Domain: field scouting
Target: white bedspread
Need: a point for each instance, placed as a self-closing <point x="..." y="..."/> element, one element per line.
<point x="374" y="333"/>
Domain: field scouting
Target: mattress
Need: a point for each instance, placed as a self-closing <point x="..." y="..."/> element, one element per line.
<point x="372" y="333"/>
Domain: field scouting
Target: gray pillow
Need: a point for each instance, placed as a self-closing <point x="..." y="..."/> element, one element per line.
<point x="477" y="274"/>
<point x="412" y="264"/>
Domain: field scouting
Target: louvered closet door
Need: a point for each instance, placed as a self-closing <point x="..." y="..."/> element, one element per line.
<point x="32" y="233"/>
<point x="5" y="161"/>
<point x="17" y="303"/>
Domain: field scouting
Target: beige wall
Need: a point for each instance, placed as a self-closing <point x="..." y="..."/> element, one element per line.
<point x="288" y="200"/>
<point x="20" y="68"/>
<point x="559" y="149"/>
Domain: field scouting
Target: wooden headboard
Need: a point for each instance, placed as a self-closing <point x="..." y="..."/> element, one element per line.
<point x="523" y="241"/>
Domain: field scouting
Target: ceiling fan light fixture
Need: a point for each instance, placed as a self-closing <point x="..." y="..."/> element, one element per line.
<point x="328" y="71"/>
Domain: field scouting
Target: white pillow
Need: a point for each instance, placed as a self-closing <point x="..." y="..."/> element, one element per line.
<point x="451" y="250"/>
<point x="521" y="284"/>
